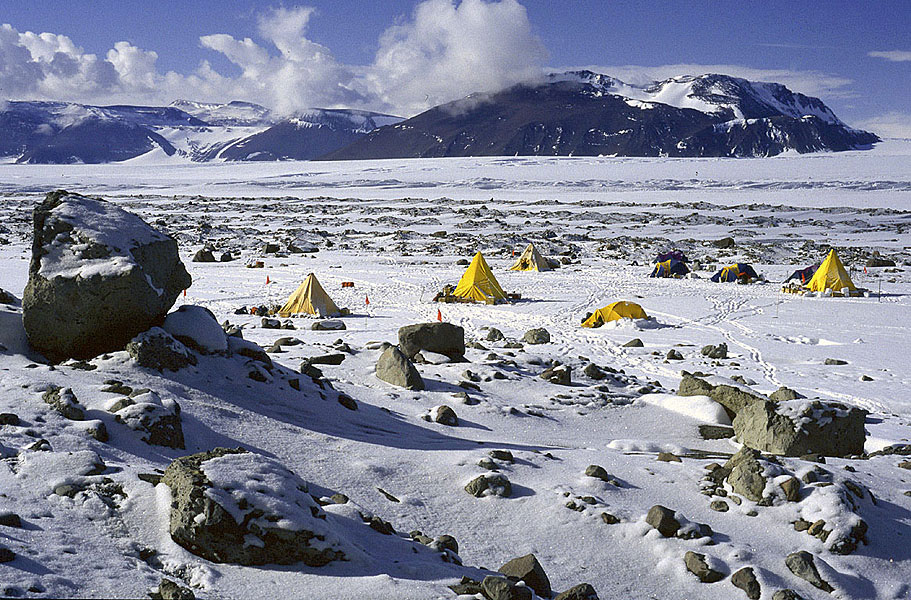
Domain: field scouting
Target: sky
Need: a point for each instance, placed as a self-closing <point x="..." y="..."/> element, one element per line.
<point x="404" y="56"/>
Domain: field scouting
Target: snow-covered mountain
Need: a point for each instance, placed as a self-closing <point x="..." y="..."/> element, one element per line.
<point x="587" y="113"/>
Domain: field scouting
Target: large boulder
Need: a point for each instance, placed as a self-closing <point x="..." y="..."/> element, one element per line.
<point x="99" y="275"/>
<point x="800" y="427"/>
<point x="528" y="569"/>
<point x="442" y="338"/>
<point x="233" y="506"/>
<point x="733" y="398"/>
<point x="746" y="474"/>
<point x="395" y="368"/>
<point x="157" y="349"/>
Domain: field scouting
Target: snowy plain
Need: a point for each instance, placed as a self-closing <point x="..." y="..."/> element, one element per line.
<point x="374" y="224"/>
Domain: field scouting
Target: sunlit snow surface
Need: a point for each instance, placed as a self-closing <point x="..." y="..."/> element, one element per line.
<point x="379" y="217"/>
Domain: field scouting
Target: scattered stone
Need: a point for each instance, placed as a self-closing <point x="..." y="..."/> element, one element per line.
<point x="560" y="375"/>
<point x="501" y="588"/>
<point x="98" y="431"/>
<point x="64" y="401"/>
<point x="719" y="506"/>
<point x="827" y="428"/>
<point x="634" y="343"/>
<point x="339" y="498"/>
<point x="268" y="323"/>
<point x="878" y="261"/>
<point x="467" y="587"/>
<point x="674" y="354"/>
<point x="697" y="565"/>
<point x="784" y="394"/>
<point x="538" y="335"/>
<point x="7" y="555"/>
<point x="609" y="519"/>
<point x="152" y="478"/>
<point x="746" y="580"/>
<point x="444" y="415"/>
<point x="791" y="489"/>
<point x="74" y="308"/>
<point x="866" y="378"/>
<point x="328" y="325"/>
<point x="663" y="519"/>
<point x="529" y="570"/>
<point x="157" y="349"/>
<point x="745" y="473"/>
<point x="715" y="432"/>
<point x="495" y="335"/>
<point x="835" y="361"/>
<point x="489" y="484"/>
<point x="380" y="526"/>
<point x="395" y="368"/>
<point x="9" y="419"/>
<point x="725" y="242"/>
<point x="10" y="519"/>
<point x="169" y="590"/>
<point x="802" y="564"/>
<point x="441" y="338"/>
<point x="786" y="595"/>
<point x="204" y="256"/>
<point x="252" y="537"/>
<point x="226" y="257"/>
<point x="327" y="359"/>
<point x="503" y="455"/>
<point x="668" y="457"/>
<point x="593" y="371"/>
<point x="583" y="591"/>
<point x="347" y="401"/>
<point x="694" y="386"/>
<point x="158" y="420"/>
<point x="717" y="352"/>
<point x="598" y="472"/>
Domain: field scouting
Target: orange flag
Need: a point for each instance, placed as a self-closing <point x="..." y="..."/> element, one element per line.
<point x="267" y="280"/>
<point x="439" y="316"/>
<point x="366" y="299"/>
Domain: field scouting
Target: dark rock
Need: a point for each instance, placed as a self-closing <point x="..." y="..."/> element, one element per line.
<point x="444" y="415"/>
<point x="157" y="349"/>
<point x="10" y="519"/>
<point x="395" y="368"/>
<point x="593" y="371"/>
<point x="8" y="299"/>
<point x="583" y="591"/>
<point x="441" y="338"/>
<point x="339" y="498"/>
<point x="697" y="565"/>
<point x="9" y="419"/>
<point x="169" y="590"/>
<point x="218" y="537"/>
<point x="609" y="519"/>
<point x="715" y="432"/>
<point x="719" y="506"/>
<point x="268" y="323"/>
<point x="152" y="478"/>
<point x="835" y="361"/>
<point x="503" y="455"/>
<point x="725" y="242"/>
<point x="329" y="325"/>
<point x="98" y="431"/>
<point x="500" y="588"/>
<point x="536" y="336"/>
<point x="786" y="595"/>
<point x="327" y="359"/>
<point x="663" y="519"/>
<point x="802" y="564"/>
<point x="783" y="394"/>
<point x="204" y="256"/>
<point x="877" y="261"/>
<point x="634" y="343"/>
<point x="495" y="335"/>
<point x="560" y="375"/>
<point x="64" y="401"/>
<point x="668" y="457"/>
<point x="528" y="569"/>
<point x="98" y="277"/>
<point x="467" y="587"/>
<point x="693" y="386"/>
<point x="7" y="555"/>
<point x="717" y="352"/>
<point x="225" y="257"/>
<point x="159" y="424"/>
<point x="674" y="354"/>
<point x="494" y="483"/>
<point x="271" y="248"/>
<point x="347" y="401"/>
<point x="746" y="580"/>
<point x="791" y="489"/>
<point x="828" y="428"/>
<point x="746" y="473"/>
<point x="598" y="472"/>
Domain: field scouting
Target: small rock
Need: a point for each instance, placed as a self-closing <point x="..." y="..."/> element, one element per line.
<point x="9" y="419"/>
<point x="528" y="569"/>
<point x="486" y="463"/>
<point x="725" y="242"/>
<point x="598" y="472"/>
<point x="802" y="564"/>
<point x="327" y="359"/>
<point x="609" y="519"/>
<point x="634" y="343"/>
<point x="786" y="595"/>
<point x="501" y="588"/>
<point x="64" y="401"/>
<point x="715" y="432"/>
<point x="493" y="484"/>
<point x="746" y="580"/>
<point x="697" y="565"/>
<point x="395" y="368"/>
<point x="662" y="519"/>
<point x="328" y="325"/>
<point x="536" y="336"/>
<point x="560" y="375"/>
<point x="668" y="457"/>
<point x="791" y="488"/>
<point x="169" y="590"/>
<point x="593" y="371"/>
<point x="503" y="455"/>
<point x="583" y="591"/>
<point x="835" y="361"/>
<point x="674" y="354"/>
<point x="444" y="415"/>
<point x="10" y="519"/>
<point x="783" y="394"/>
<point x="495" y="335"/>
<point x="347" y="401"/>
<point x="6" y="555"/>
<point x="339" y="498"/>
<point x="719" y="506"/>
<point x="717" y="352"/>
<point x="204" y="256"/>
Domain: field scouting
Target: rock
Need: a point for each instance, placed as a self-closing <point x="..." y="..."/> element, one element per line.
<point x="169" y="590"/>
<point x="500" y="588"/>
<point x="441" y="338"/>
<point x="561" y="375"/>
<point x="157" y="349"/>
<point x="697" y="565"/>
<point x="598" y="472"/>
<point x="239" y="526"/>
<point x="746" y="474"/>
<point x="395" y="368"/>
<point x="495" y="335"/>
<point x="271" y="248"/>
<point x="444" y="415"/>
<point x="502" y="455"/>
<point x="204" y="256"/>
<point x="827" y="428"/>
<point x="489" y="484"/>
<point x="802" y="564"/>
<point x="98" y="277"/>
<point x="784" y="394"/>
<point x="327" y="359"/>
<point x="715" y="432"/>
<point x="693" y="386"/>
<point x="634" y="343"/>
<point x="247" y="349"/>
<point x="10" y="519"/>
<point x="877" y="261"/>
<point x="583" y="591"/>
<point x="538" y="335"/>
<point x="267" y="323"/>
<point x="98" y="431"/>
<point x="674" y="354"/>
<point x="64" y="401"/>
<point x="734" y="399"/>
<point x="609" y="519"/>
<point x="786" y="595"/>
<point x="7" y="555"/>
<point x="717" y="352"/>
<point x="719" y="506"/>
<point x="528" y="569"/>
<point x="663" y="519"/>
<point x="467" y="587"/>
<point x="593" y="371"/>
<point x="329" y="325"/>
<point x="157" y="420"/>
<point x="225" y="257"/>
<point x="746" y="580"/>
<point x="463" y="262"/>
<point x="668" y="457"/>
<point x="791" y="489"/>
<point x="725" y="242"/>
<point x="197" y="328"/>
<point x="9" y="419"/>
<point x="835" y="361"/>
<point x="347" y="401"/>
<point x="8" y="299"/>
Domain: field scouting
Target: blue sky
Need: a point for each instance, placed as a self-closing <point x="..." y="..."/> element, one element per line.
<point x="401" y="55"/>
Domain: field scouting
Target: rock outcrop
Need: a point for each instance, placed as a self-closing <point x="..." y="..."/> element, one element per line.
<point x="441" y="338"/>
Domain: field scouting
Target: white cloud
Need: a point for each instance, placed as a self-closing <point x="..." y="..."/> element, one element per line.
<point x="892" y="55"/>
<point x="894" y="124"/>
<point x="811" y="83"/>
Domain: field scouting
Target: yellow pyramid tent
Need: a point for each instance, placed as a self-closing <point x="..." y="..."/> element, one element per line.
<point x="832" y="275"/>
<point x="478" y="283"/>
<point x="309" y="298"/>
<point x="531" y="260"/>
<point x="612" y="312"/>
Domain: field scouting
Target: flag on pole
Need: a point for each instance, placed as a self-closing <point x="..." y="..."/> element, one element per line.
<point x="366" y="300"/>
<point x="267" y="280"/>
<point x="439" y="316"/>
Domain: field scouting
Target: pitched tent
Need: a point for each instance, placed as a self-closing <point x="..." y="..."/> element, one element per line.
<point x="673" y="254"/>
<point x="832" y="275"/>
<point x="734" y="272"/>
<point x="670" y="268"/>
<point x="803" y="275"/>
<point x="614" y="311"/>
<point x="311" y="298"/>
<point x="478" y="282"/>
<point x="531" y="260"/>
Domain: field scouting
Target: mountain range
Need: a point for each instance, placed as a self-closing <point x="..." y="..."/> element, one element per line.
<point x="576" y="113"/>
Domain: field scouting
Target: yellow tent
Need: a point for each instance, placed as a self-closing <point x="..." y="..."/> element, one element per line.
<point x="478" y="283"/>
<point x="832" y="275"/>
<point x="612" y="312"/>
<point x="309" y="298"/>
<point x="531" y="260"/>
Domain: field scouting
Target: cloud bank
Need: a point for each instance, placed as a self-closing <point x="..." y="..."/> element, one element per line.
<point x="445" y="50"/>
<point x="892" y="55"/>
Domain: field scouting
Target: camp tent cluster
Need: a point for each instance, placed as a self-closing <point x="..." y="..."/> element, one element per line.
<point x="830" y="276"/>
